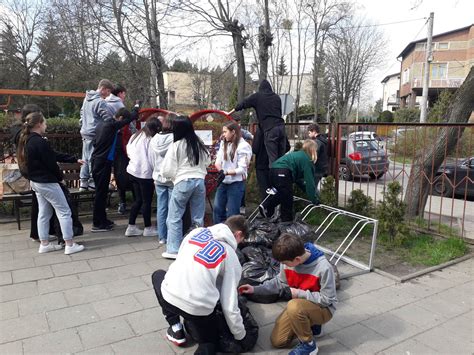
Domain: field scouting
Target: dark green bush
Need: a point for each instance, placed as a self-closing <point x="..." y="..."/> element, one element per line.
<point x="328" y="191"/>
<point x="359" y="203"/>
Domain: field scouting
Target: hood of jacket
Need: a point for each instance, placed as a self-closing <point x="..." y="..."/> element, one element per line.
<point x="223" y="233"/>
<point x="113" y="99"/>
<point x="315" y="253"/>
<point x="265" y="87"/>
<point x="323" y="138"/>
<point x="92" y="95"/>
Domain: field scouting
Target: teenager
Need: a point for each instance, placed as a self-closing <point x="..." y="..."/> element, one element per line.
<point x="185" y="164"/>
<point x="140" y="169"/>
<point x="233" y="159"/>
<point x="38" y="163"/>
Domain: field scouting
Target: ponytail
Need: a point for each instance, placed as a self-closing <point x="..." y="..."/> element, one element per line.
<point x="31" y="121"/>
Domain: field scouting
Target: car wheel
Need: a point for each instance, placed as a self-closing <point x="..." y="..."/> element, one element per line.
<point x="345" y="173"/>
<point x="443" y="188"/>
<point x="376" y="176"/>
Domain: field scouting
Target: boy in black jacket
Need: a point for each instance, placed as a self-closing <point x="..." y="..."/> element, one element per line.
<point x="102" y="159"/>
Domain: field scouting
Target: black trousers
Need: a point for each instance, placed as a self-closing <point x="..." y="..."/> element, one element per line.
<point x="263" y="181"/>
<point x="204" y="326"/>
<point x="275" y="143"/>
<point x="144" y="189"/>
<point x="282" y="180"/>
<point x="122" y="178"/>
<point x="101" y="171"/>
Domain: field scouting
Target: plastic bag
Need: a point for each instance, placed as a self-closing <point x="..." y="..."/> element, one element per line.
<point x="262" y="232"/>
<point x="283" y="295"/>
<point x="260" y="265"/>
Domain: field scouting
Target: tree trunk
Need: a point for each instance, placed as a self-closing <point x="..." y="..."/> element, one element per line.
<point x="264" y="41"/>
<point x="458" y="112"/>
<point x="239" y="55"/>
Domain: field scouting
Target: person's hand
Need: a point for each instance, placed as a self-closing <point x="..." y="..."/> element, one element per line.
<point x="294" y="292"/>
<point x="220" y="177"/>
<point x="80" y="161"/>
<point x="246" y="289"/>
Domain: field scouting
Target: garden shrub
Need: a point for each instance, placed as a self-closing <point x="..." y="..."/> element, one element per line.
<point x="359" y="203"/>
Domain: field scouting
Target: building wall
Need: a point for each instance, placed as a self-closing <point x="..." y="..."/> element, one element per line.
<point x="390" y="93"/>
<point x="281" y="85"/>
<point x="183" y="89"/>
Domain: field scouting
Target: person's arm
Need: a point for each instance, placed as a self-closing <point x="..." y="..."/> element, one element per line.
<point x="244" y="154"/>
<point x="102" y="111"/>
<point x="248" y="102"/>
<point x="327" y="293"/>
<point x="228" y="296"/>
<point x="220" y="156"/>
<point x="246" y="134"/>
<point x="169" y="166"/>
<point x="122" y="123"/>
<point x="308" y="170"/>
<point x="272" y="286"/>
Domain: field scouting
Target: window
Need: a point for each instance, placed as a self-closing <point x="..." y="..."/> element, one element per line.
<point x="443" y="45"/>
<point x="406" y="75"/>
<point x="439" y="70"/>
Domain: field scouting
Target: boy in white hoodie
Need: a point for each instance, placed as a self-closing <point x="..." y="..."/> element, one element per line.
<point x="207" y="270"/>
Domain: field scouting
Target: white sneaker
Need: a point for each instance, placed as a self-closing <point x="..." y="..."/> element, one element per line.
<point x="162" y="241"/>
<point x="74" y="248"/>
<point x="150" y="232"/>
<point x="133" y="231"/>
<point x="242" y="210"/>
<point x="167" y="255"/>
<point x="49" y="247"/>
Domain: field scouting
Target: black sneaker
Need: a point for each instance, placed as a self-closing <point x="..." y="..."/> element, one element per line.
<point x="178" y="338"/>
<point x="122" y="208"/>
<point x="110" y="223"/>
<point x="97" y="229"/>
<point x="317" y="330"/>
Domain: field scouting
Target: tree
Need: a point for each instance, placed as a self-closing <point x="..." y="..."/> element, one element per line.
<point x="265" y="39"/>
<point x="385" y="116"/>
<point x="183" y="66"/>
<point x="378" y="108"/>
<point x="459" y="111"/>
<point x="282" y="70"/>
<point x="355" y="49"/>
<point x="406" y="115"/>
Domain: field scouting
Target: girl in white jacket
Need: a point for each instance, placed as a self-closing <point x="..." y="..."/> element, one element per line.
<point x="233" y="159"/>
<point x="140" y="169"/>
<point x="185" y="164"/>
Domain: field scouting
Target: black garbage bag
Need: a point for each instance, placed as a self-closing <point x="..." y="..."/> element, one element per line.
<point x="283" y="295"/>
<point x="227" y="342"/>
<point x="299" y="228"/>
<point x="262" y="232"/>
<point x="241" y="256"/>
<point x="260" y="265"/>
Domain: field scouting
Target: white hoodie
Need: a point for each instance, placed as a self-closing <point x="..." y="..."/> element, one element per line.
<point x="176" y="166"/>
<point x="160" y="145"/>
<point x="197" y="280"/>
<point x="240" y="163"/>
<point x="141" y="156"/>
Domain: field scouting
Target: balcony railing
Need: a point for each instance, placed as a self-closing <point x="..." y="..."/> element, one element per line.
<point x="439" y="83"/>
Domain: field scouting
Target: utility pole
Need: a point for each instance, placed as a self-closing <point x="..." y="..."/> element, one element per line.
<point x="426" y="74"/>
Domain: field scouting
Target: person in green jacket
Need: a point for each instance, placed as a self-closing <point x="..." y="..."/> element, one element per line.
<point x="295" y="167"/>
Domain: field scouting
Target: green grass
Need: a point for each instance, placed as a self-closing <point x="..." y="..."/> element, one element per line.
<point x="402" y="159"/>
<point x="426" y="250"/>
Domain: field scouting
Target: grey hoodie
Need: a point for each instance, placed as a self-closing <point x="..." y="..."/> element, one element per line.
<point x="94" y="109"/>
<point x="114" y="103"/>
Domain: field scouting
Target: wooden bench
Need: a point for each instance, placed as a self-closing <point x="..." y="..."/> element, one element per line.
<point x="71" y="179"/>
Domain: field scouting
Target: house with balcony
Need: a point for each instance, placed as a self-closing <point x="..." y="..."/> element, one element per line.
<point x="391" y="92"/>
<point x="453" y="56"/>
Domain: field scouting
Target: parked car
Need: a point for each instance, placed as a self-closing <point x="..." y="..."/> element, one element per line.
<point x="457" y="178"/>
<point x="368" y="135"/>
<point x="362" y="157"/>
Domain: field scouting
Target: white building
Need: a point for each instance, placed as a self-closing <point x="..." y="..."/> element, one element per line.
<point x="391" y="90"/>
<point x="287" y="84"/>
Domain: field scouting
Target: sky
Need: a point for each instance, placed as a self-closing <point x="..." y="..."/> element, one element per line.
<point x="448" y="15"/>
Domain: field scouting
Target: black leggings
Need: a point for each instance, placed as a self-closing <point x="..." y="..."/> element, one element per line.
<point x="144" y="189"/>
<point x="282" y="180"/>
<point x="204" y="327"/>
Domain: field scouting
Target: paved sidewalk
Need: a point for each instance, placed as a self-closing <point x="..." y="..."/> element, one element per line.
<point x="101" y="301"/>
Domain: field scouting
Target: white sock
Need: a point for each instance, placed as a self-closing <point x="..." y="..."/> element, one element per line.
<point x="176" y="327"/>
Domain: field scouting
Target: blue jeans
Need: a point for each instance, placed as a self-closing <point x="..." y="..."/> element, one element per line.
<point x="227" y="201"/>
<point x="163" y="195"/>
<point x="86" y="169"/>
<point x="194" y="191"/>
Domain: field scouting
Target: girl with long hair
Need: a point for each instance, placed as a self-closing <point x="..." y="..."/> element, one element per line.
<point x="233" y="159"/>
<point x="38" y="163"/>
<point x="294" y="167"/>
<point x="185" y="164"/>
<point x="140" y="169"/>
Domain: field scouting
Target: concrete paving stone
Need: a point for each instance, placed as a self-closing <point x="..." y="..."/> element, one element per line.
<point x="18" y="291"/>
<point x="159" y="264"/>
<point x="105" y="332"/>
<point x="88" y="253"/>
<point x="354" y="287"/>
<point x="62" y="342"/>
<point x="102" y="350"/>
<point x="375" y="280"/>
<point x="118" y="249"/>
<point x="370" y="304"/>
<point x="453" y="275"/>
<point x="410" y="346"/>
<point x="346" y="315"/>
<point x="71" y="317"/>
<point x="445" y="305"/>
<point x="134" y="270"/>
<point x="106" y="262"/>
<point x="23" y="327"/>
<point x="394" y="295"/>
<point x="6" y="256"/>
<point x="467" y="288"/>
<point x="14" y="245"/>
<point x="70" y="268"/>
<point x="41" y="304"/>
<point x="52" y="258"/>
<point x="117" y="306"/>
<point x="144" y="344"/>
<point x="361" y="339"/>
<point x="32" y="274"/>
<point x="58" y="284"/>
<point x="146" y="243"/>
<point x="5" y="278"/>
<point x="460" y="327"/>
<point x="265" y="313"/>
<point x="98" y="277"/>
<point x="147" y="321"/>
<point x="329" y="345"/>
<point x="422" y="318"/>
<point x="392" y="327"/>
<point x="86" y="294"/>
<point x="137" y="257"/>
<point x="17" y="264"/>
<point x="27" y="253"/>
<point x="263" y="341"/>
<point x="147" y="298"/>
<point x="15" y="347"/>
<point x="127" y="286"/>
<point x="9" y="310"/>
<point x="467" y="266"/>
<point x="436" y="338"/>
<point x="436" y="282"/>
<point x="147" y="279"/>
<point x="418" y="289"/>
